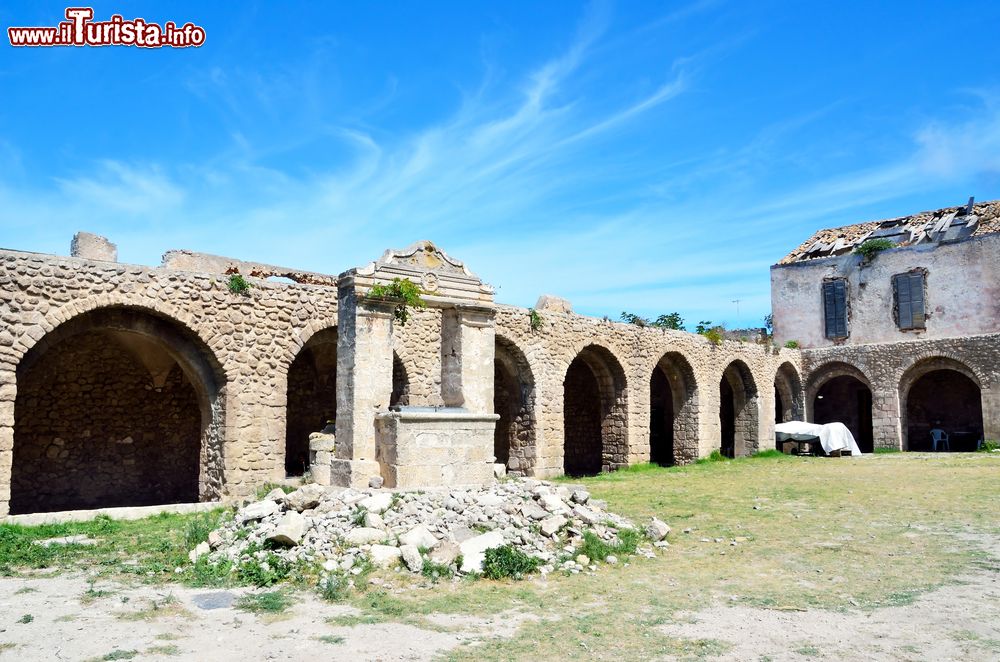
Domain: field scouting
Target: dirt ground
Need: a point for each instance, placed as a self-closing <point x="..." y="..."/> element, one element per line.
<point x="904" y="566"/>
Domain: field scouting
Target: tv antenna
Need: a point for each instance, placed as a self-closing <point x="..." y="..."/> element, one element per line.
<point x="737" y="302"/>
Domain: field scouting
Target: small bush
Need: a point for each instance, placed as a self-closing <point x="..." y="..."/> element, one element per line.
<point x="436" y="571"/>
<point x="198" y="529"/>
<point x="989" y="446"/>
<point x="27" y="618"/>
<point x="714" y="335"/>
<point x="237" y="284"/>
<point x="535" y="320"/>
<point x="507" y="561"/>
<point x="873" y="247"/>
<point x="271" y="602"/>
<point x="335" y="587"/>
<point x="358" y="516"/>
<point x="263" y="573"/>
<point x="792" y="344"/>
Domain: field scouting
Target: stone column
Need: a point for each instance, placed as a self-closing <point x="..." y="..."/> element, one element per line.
<point x="468" y="337"/>
<point x="991" y="413"/>
<point x="364" y="383"/>
<point x="8" y="390"/>
<point x="886" y="425"/>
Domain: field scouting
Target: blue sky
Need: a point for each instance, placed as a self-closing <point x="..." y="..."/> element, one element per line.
<point x="648" y="157"/>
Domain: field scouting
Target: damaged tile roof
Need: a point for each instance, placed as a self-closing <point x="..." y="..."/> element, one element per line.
<point x="948" y="224"/>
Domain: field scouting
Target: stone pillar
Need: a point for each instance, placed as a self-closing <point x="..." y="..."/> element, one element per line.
<point x="468" y="337"/>
<point x="991" y="413"/>
<point x="364" y="383"/>
<point x="886" y="425"/>
<point x="8" y="389"/>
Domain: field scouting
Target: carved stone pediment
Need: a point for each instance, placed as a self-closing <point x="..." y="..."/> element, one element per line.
<point x="441" y="276"/>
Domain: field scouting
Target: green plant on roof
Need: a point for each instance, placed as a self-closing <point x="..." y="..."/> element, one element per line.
<point x="534" y="319"/>
<point x="237" y="284"/>
<point x="872" y="247"/>
<point x="403" y="292"/>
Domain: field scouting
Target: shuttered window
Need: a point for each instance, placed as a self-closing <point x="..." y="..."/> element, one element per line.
<point x="909" y="293"/>
<point x="835" y="308"/>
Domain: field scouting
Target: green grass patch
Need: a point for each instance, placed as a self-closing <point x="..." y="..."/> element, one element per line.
<point x="270" y="602"/>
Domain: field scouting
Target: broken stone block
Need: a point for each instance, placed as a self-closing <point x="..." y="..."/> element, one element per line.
<point x="550" y="526"/>
<point x="374" y="521"/>
<point x="473" y="550"/>
<point x="364" y="536"/>
<point x="499" y="470"/>
<point x="580" y="496"/>
<point x="419" y="536"/>
<point x="377" y="503"/>
<point x="375" y="482"/>
<point x="657" y="530"/>
<point x="411" y="557"/>
<point x="445" y="553"/>
<point x="289" y="531"/>
<point x="384" y="556"/>
<point x="552" y="503"/>
<point x="258" y="510"/>
<point x="304" y="498"/>
<point x="553" y="304"/>
<point x="199" y="551"/>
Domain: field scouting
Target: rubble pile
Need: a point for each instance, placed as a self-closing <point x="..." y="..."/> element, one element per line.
<point x="346" y="530"/>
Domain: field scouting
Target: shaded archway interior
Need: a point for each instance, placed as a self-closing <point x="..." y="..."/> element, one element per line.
<point x="673" y="421"/>
<point x="947" y="400"/>
<point x="400" y="396"/>
<point x="846" y="399"/>
<point x="514" y="402"/>
<point x="738" y="418"/>
<point x="117" y="407"/>
<point x="594" y="415"/>
<point x="312" y="397"/>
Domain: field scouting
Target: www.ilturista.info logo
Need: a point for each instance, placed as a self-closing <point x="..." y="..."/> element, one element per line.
<point x="81" y="30"/>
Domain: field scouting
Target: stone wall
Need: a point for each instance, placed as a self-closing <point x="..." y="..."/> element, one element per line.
<point x="890" y="371"/>
<point x="237" y="350"/>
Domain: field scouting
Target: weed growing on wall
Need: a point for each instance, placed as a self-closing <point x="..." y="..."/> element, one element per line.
<point x="237" y="284"/>
<point x="403" y="292"/>
<point x="792" y="344"/>
<point x="535" y="320"/>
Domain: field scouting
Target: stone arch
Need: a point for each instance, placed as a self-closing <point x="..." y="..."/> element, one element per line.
<point x="312" y="396"/>
<point x="594" y="413"/>
<point x="788" y="404"/>
<point x="514" y="400"/>
<point x="738" y="411"/>
<point x="673" y="411"/>
<point x="941" y="392"/>
<point x="117" y="406"/>
<point x="839" y="392"/>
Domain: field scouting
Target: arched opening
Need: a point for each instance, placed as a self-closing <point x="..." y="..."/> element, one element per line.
<point x="673" y="419"/>
<point x="940" y="394"/>
<point x="116" y="407"/>
<point x="841" y="394"/>
<point x="312" y="397"/>
<point x="787" y="394"/>
<point x="514" y="401"/>
<point x="400" y="396"/>
<point x="738" y="417"/>
<point x="594" y="414"/>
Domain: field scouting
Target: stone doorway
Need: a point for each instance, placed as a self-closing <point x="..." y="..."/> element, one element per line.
<point x="943" y="395"/>
<point x="673" y="419"/>
<point x="846" y="399"/>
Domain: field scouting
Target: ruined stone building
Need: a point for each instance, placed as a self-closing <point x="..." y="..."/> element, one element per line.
<point x="125" y="385"/>
<point x="904" y="341"/>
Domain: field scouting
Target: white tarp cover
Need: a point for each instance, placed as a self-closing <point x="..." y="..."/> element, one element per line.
<point x="832" y="436"/>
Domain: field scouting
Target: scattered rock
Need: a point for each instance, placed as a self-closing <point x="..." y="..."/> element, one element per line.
<point x="411" y="557"/>
<point x="499" y="470"/>
<point x="364" y="536"/>
<point x="611" y="559"/>
<point x="580" y="496"/>
<point x="277" y="494"/>
<point x="384" y="556"/>
<point x="657" y="530"/>
<point x="552" y="503"/>
<point x="419" y="536"/>
<point x="445" y="554"/>
<point x="289" y="530"/>
<point x="215" y="540"/>
<point x="304" y="498"/>
<point x="374" y="521"/>
<point x="587" y="516"/>
<point x="583" y="560"/>
<point x="199" y="551"/>
<point x="533" y="511"/>
<point x="67" y="540"/>
<point x="377" y="503"/>
<point x="375" y="482"/>
<point x="550" y="526"/>
<point x="259" y="510"/>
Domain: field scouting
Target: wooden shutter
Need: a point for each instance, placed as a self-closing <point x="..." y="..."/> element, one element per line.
<point x="835" y="308"/>
<point x="909" y="289"/>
